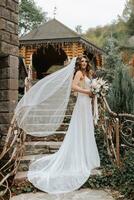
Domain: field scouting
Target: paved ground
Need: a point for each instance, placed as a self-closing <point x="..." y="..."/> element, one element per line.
<point x="83" y="194"/>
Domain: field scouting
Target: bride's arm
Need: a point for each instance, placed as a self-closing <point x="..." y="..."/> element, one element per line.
<point x="76" y="87"/>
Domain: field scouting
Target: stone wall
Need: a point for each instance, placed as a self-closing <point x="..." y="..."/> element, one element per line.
<point x="8" y="62"/>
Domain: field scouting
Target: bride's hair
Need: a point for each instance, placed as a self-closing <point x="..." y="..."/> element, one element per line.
<point x="79" y="68"/>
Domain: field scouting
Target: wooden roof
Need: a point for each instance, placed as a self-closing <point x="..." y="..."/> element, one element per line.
<point x="54" y="31"/>
<point x="50" y="30"/>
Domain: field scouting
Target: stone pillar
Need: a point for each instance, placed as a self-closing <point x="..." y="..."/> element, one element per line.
<point x="8" y="62"/>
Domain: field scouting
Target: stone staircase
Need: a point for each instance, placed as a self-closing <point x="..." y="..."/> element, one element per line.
<point x="36" y="147"/>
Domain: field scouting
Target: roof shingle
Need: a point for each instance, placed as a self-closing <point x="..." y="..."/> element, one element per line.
<point x="55" y="31"/>
<point x="52" y="29"/>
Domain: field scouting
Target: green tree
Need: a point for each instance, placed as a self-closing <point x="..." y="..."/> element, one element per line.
<point x="112" y="59"/>
<point x="121" y="28"/>
<point x="30" y="16"/>
<point x="97" y="34"/>
<point x="121" y="95"/>
<point x="128" y="16"/>
<point x="112" y="56"/>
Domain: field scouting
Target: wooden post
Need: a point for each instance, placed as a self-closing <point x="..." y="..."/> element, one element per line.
<point x="117" y="142"/>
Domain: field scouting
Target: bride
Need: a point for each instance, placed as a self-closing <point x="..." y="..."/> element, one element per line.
<point x="40" y="113"/>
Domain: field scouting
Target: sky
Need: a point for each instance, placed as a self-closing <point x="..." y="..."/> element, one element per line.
<point x="87" y="13"/>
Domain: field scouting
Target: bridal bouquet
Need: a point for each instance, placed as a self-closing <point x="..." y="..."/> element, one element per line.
<point x="99" y="87"/>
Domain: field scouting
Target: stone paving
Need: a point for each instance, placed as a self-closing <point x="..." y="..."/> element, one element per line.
<point x="83" y="194"/>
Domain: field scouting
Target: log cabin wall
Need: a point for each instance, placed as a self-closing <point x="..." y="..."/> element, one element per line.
<point x="99" y="60"/>
<point x="71" y="49"/>
<point x="26" y="52"/>
<point x="128" y="59"/>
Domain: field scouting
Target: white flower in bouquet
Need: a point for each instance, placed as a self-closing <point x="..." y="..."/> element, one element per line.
<point x="99" y="87"/>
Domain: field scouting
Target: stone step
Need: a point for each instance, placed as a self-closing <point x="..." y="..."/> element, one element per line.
<point x="80" y="194"/>
<point x="55" y="133"/>
<point x="48" y="124"/>
<point x="43" y="107"/>
<point x="41" y="110"/>
<point x="51" y="144"/>
<point x="68" y="111"/>
<point x="67" y="118"/>
<point x="33" y="157"/>
<point x="41" y="147"/>
<point x="57" y="136"/>
<point x="36" y="147"/>
<point x="25" y="161"/>
<point x="62" y="127"/>
<point x="61" y="130"/>
<point x="22" y="176"/>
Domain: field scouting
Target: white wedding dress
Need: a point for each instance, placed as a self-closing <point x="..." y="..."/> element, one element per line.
<point x="70" y="167"/>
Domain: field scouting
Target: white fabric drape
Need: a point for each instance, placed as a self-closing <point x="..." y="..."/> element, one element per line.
<point x="41" y="110"/>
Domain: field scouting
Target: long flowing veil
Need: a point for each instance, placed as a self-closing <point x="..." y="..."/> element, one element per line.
<point x="41" y="110"/>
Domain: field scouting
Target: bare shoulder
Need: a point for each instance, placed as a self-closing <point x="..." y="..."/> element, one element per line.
<point x="79" y="74"/>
